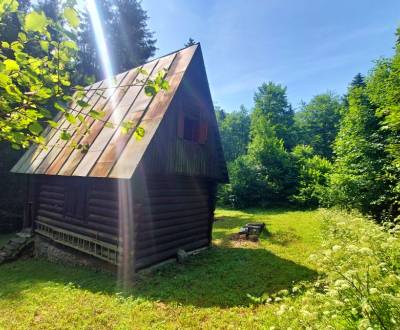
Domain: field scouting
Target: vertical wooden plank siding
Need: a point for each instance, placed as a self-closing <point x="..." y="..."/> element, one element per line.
<point x="133" y="152"/>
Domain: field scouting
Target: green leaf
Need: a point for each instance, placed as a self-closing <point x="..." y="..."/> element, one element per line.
<point x="150" y="90"/>
<point x="52" y="123"/>
<point x="11" y="65"/>
<point x="44" y="93"/>
<point x="35" y="128"/>
<point x="65" y="135"/>
<point x="70" y="118"/>
<point x="142" y="71"/>
<point x="96" y="114"/>
<point x="59" y="107"/>
<point x="139" y="133"/>
<point x="109" y="125"/>
<point x="5" y="44"/>
<point x="126" y="127"/>
<point x="36" y="22"/>
<point x="44" y="45"/>
<point x="4" y="80"/>
<point x="16" y="46"/>
<point x="72" y="17"/>
<point x="164" y="85"/>
<point x="22" y="36"/>
<point x="82" y="104"/>
<point x="67" y="98"/>
<point x="15" y="146"/>
<point x="70" y="44"/>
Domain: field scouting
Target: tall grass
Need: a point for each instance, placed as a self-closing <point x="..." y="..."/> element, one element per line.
<point x="359" y="286"/>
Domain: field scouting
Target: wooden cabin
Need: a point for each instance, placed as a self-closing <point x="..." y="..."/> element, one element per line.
<point x="126" y="198"/>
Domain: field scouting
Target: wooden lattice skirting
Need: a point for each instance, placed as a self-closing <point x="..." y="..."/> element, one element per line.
<point x="98" y="249"/>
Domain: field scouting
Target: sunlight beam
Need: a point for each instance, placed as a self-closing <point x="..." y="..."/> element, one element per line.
<point x="126" y="267"/>
<point x="100" y="39"/>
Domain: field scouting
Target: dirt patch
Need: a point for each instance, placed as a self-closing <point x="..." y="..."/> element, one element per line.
<point x="237" y="240"/>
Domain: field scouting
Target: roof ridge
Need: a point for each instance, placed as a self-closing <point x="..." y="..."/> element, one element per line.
<point x="154" y="59"/>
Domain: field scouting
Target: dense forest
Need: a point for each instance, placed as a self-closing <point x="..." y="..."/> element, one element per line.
<point x="334" y="151"/>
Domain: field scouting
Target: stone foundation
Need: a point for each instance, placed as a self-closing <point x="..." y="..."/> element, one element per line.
<point x="54" y="252"/>
<point x="58" y="253"/>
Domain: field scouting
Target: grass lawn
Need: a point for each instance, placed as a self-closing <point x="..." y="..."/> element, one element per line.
<point x="210" y="291"/>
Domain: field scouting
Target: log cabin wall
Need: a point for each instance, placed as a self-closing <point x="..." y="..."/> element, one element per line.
<point x="83" y="206"/>
<point x="173" y="212"/>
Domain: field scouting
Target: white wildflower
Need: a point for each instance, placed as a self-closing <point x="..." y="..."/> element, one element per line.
<point x="365" y="251"/>
<point x="373" y="290"/>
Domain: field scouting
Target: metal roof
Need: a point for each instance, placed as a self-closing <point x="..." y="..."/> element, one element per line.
<point x="111" y="153"/>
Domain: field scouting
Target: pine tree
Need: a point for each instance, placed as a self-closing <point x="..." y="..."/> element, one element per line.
<point x="190" y="42"/>
<point x="358" y="81"/>
<point x="128" y="38"/>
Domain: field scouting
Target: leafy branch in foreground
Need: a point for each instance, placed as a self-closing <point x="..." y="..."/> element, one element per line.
<point x="35" y="77"/>
<point x="34" y="70"/>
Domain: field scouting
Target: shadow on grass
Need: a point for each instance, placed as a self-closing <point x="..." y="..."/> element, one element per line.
<point x="221" y="276"/>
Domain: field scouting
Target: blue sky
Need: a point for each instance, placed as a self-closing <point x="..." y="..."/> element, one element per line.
<point x="309" y="46"/>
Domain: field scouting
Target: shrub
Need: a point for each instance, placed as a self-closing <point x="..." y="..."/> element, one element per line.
<point x="359" y="287"/>
<point x="313" y="172"/>
<point x="246" y="185"/>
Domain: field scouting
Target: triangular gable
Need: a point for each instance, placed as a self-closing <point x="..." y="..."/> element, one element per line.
<point x="111" y="153"/>
<point x="169" y="152"/>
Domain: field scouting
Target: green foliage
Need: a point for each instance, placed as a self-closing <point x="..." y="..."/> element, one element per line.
<point x="246" y="185"/>
<point x="270" y="100"/>
<point x="234" y="128"/>
<point x="38" y="57"/>
<point x="34" y="69"/>
<point x="359" y="286"/>
<point x="361" y="177"/>
<point x="317" y="123"/>
<point x="265" y="175"/>
<point x="313" y="173"/>
<point x="384" y="92"/>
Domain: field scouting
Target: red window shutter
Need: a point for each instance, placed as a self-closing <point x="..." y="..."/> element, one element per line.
<point x="181" y="124"/>
<point x="203" y="131"/>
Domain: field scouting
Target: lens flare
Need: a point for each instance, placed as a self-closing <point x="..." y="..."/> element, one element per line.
<point x="125" y="193"/>
<point x="100" y="39"/>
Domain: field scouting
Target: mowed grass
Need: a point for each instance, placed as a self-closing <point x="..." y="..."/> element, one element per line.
<point x="210" y="291"/>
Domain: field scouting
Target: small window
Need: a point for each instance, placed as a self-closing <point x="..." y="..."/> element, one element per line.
<point x="191" y="129"/>
<point x="75" y="200"/>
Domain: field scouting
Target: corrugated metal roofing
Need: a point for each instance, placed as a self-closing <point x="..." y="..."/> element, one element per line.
<point x="111" y="153"/>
